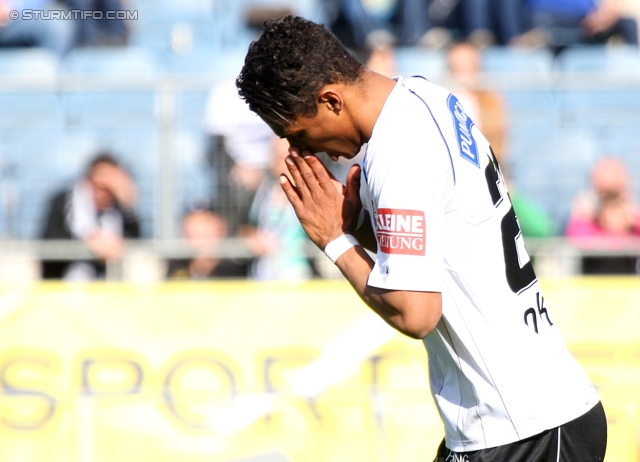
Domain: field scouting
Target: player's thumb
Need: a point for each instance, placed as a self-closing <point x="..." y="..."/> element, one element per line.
<point x="352" y="193"/>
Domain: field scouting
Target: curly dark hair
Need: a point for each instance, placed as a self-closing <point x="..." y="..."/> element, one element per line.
<point x="287" y="66"/>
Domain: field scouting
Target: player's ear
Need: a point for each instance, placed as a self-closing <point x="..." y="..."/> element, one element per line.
<point x="331" y="99"/>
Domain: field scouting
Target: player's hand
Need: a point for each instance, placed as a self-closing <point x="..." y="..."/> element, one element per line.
<point x="326" y="209"/>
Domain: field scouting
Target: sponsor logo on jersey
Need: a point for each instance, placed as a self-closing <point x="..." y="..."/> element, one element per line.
<point x="463" y="126"/>
<point x="400" y="231"/>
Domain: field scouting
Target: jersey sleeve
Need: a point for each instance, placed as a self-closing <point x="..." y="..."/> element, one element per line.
<point x="409" y="196"/>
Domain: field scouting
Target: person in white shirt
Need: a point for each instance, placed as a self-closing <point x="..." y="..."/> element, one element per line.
<point x="451" y="267"/>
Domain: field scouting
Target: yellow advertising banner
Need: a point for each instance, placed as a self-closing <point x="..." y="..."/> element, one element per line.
<point x="250" y="372"/>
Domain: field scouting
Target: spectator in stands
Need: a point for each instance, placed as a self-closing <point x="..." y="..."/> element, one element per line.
<point x="382" y="59"/>
<point x="533" y="219"/>
<point x="511" y="19"/>
<point x="276" y="236"/>
<point x="429" y="23"/>
<point x="239" y="152"/>
<point x="99" y="210"/>
<point x="204" y="231"/>
<point x="484" y="106"/>
<point x="99" y="32"/>
<point x="55" y="35"/>
<point x="462" y="20"/>
<point x="356" y="22"/>
<point x="562" y="23"/>
<point x="605" y="215"/>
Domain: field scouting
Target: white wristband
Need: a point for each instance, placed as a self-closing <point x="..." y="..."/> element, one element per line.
<point x="339" y="245"/>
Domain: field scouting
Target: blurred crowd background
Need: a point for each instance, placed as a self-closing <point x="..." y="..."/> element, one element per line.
<point x="125" y="151"/>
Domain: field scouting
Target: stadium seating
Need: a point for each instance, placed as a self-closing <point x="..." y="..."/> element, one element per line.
<point x="550" y="165"/>
<point x="110" y="63"/>
<point x="109" y="88"/>
<point x="430" y="64"/>
<point x="611" y="60"/>
<point x="35" y="64"/>
<point x="193" y="177"/>
<point x="23" y="108"/>
<point x="536" y="62"/>
<point x="55" y="113"/>
<point x="28" y="155"/>
<point x="205" y="62"/>
<point x="27" y="96"/>
<point x="30" y="122"/>
<point x="532" y="107"/>
<point x="163" y="29"/>
<point x="598" y="107"/>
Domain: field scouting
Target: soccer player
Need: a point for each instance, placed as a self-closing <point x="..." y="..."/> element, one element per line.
<point x="451" y="266"/>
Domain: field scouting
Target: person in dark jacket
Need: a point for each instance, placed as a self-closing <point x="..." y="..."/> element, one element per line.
<point x="99" y="210"/>
<point x="204" y="231"/>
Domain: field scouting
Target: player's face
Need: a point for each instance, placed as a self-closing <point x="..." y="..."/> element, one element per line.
<point x="325" y="132"/>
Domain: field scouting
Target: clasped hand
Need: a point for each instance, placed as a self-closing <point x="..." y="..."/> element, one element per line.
<point x="326" y="208"/>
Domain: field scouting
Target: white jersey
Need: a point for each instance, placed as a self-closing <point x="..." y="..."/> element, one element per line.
<point x="498" y="367"/>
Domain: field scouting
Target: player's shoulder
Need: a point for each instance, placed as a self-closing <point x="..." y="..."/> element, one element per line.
<point x="426" y="89"/>
<point x="428" y="98"/>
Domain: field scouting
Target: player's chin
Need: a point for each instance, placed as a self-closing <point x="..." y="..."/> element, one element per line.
<point x="335" y="155"/>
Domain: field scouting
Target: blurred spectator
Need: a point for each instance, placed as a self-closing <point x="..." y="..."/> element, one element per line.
<point x="239" y="153"/>
<point x="429" y="23"/>
<point x="204" y="230"/>
<point x="98" y="209"/>
<point x="276" y="236"/>
<point x="509" y="20"/>
<point x="484" y="106"/>
<point x="55" y="35"/>
<point x="534" y="221"/>
<point x="382" y="59"/>
<point x="99" y="32"/>
<point x="357" y="22"/>
<point x="605" y="215"/>
<point x="460" y="20"/>
<point x="562" y="23"/>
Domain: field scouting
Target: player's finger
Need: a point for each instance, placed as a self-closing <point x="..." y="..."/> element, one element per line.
<point x="306" y="176"/>
<point x="322" y="174"/>
<point x="352" y="191"/>
<point x="290" y="191"/>
<point x="296" y="177"/>
<point x="294" y="151"/>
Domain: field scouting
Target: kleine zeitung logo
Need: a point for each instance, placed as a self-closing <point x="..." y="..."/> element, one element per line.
<point x="400" y="231"/>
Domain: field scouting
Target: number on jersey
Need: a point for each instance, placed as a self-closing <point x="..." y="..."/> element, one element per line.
<point x="518" y="268"/>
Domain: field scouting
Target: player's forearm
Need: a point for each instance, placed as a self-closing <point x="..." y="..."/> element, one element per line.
<point x="411" y="313"/>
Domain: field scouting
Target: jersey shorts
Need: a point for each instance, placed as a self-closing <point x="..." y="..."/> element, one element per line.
<point x="583" y="439"/>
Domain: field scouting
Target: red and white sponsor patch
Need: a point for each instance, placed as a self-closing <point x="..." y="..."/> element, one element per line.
<point x="400" y="231"/>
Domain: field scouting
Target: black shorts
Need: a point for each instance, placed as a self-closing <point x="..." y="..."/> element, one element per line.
<point x="583" y="439"/>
